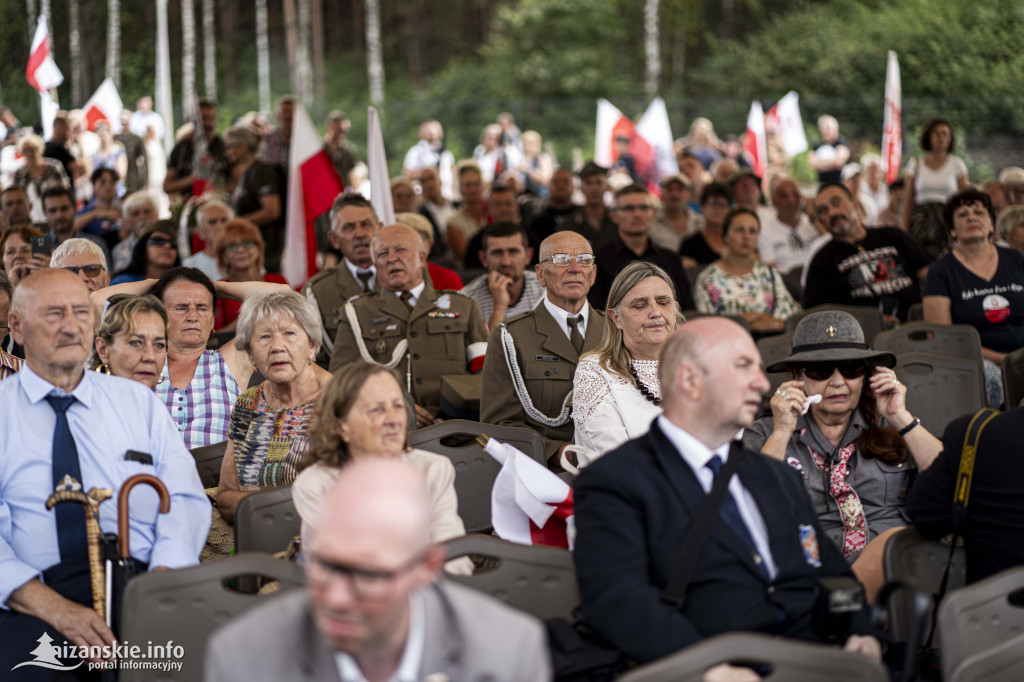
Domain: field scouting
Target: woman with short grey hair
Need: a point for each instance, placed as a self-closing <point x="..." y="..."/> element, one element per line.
<point x="267" y="437"/>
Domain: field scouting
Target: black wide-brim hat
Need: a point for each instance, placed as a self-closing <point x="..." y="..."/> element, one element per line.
<point x="830" y="336"/>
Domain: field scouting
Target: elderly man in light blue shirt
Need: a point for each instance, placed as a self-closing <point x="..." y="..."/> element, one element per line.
<point x="118" y="429"/>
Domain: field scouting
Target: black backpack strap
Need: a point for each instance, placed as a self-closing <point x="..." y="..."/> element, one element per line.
<point x="685" y="564"/>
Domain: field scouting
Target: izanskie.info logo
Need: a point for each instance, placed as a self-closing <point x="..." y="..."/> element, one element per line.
<point x="163" y="657"/>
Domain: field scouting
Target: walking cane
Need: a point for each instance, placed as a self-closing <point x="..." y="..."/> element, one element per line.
<point x="125" y="564"/>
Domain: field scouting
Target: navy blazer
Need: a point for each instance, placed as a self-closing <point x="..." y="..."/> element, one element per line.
<point x="633" y="509"/>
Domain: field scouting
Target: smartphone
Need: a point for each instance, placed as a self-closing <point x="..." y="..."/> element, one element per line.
<point x="42" y="245"/>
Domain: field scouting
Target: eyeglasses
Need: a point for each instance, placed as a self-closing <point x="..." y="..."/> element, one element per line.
<point x="238" y="246"/>
<point x="367" y="585"/>
<point x="562" y="260"/>
<point x="160" y="241"/>
<point x="89" y="270"/>
<point x="820" y="371"/>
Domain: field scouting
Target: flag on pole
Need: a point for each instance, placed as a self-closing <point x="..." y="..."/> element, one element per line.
<point x="892" y="131"/>
<point x="48" y="109"/>
<point x="529" y="504"/>
<point x="313" y="183"/>
<point x="755" y="144"/>
<point x="654" y="127"/>
<point x="612" y="125"/>
<point x="42" y="72"/>
<point x="784" y="120"/>
<point x="380" y="179"/>
<point x="104" y="105"/>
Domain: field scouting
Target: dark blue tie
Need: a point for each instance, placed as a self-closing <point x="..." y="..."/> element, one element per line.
<point x="730" y="514"/>
<point x="70" y="515"/>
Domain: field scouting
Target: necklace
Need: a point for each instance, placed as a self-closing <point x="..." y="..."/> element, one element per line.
<point x="646" y="392"/>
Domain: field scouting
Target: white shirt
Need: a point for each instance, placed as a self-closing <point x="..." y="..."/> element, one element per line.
<point x="561" y="316"/>
<point x="206" y="263"/>
<point x="412" y="656"/>
<point x="140" y="121"/>
<point x="786" y="247"/>
<point x="355" y="270"/>
<point x="697" y="455"/>
<point x="607" y="409"/>
<point x="416" y="292"/>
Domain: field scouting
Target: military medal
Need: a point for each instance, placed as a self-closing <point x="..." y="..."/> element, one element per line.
<point x="435" y="313"/>
<point x="382" y="347"/>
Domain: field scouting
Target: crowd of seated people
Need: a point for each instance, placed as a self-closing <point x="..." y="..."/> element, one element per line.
<point x="565" y="293"/>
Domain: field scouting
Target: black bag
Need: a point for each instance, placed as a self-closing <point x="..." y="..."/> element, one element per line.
<point x="578" y="654"/>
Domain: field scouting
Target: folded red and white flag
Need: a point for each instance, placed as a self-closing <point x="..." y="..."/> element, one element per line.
<point x="529" y="504"/>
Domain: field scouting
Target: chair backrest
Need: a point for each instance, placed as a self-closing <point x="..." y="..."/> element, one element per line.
<point x="475" y="470"/>
<point x="773" y="349"/>
<point x="1000" y="663"/>
<point x="537" y="579"/>
<point x="266" y="521"/>
<point x="186" y="605"/>
<point x="920" y="563"/>
<point x="790" y="660"/>
<point x="948" y="340"/>
<point x="979" y="616"/>
<point x="941" y="389"/>
<point x="870" y="319"/>
<point x="208" y="459"/>
<point x="1013" y="378"/>
<point x="915" y="313"/>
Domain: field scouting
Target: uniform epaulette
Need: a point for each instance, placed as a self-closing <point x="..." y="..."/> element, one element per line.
<point x="517" y="317"/>
<point x="352" y="299"/>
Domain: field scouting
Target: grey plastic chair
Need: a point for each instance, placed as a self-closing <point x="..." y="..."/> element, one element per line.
<point x="790" y="661"/>
<point x="948" y="340"/>
<point x="266" y="521"/>
<point x="475" y="470"/>
<point x="941" y="389"/>
<point x="774" y="348"/>
<point x="185" y="606"/>
<point x="208" y="459"/>
<point x="1000" y="663"/>
<point x="1013" y="378"/>
<point x="920" y="563"/>
<point x="536" y="579"/>
<point x="978" y="617"/>
<point x="870" y="319"/>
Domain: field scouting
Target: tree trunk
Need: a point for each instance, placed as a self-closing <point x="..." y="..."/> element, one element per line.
<point x="30" y="10"/>
<point x="44" y="9"/>
<point x="291" y="40"/>
<point x="209" y="49"/>
<point x="114" y="42"/>
<point x="263" y="56"/>
<point x="226" y="19"/>
<point x="358" y="29"/>
<point x="75" y="45"/>
<point x="318" y="49"/>
<point x="188" y="58"/>
<point x="304" y="86"/>
<point x="164" y="101"/>
<point x="652" y="48"/>
<point x="412" y="26"/>
<point x="374" y="56"/>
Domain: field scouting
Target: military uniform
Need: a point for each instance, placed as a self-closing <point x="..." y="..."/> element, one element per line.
<point x="328" y="291"/>
<point x="444" y="333"/>
<point x="547" y="362"/>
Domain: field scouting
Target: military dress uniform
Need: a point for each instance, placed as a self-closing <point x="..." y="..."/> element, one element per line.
<point x="328" y="291"/>
<point x="443" y="334"/>
<point x="547" y="364"/>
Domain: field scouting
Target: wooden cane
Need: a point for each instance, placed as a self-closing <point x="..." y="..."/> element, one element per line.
<point x="91" y="502"/>
<point x="123" y="549"/>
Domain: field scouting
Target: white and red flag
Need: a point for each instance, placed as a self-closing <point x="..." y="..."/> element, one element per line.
<point x="784" y="120"/>
<point x="313" y="183"/>
<point x="892" y="131"/>
<point x="104" y="105"/>
<point x="377" y="163"/>
<point x="613" y="124"/>
<point x="42" y="72"/>
<point x="529" y="504"/>
<point x="755" y="144"/>
<point x="654" y="127"/>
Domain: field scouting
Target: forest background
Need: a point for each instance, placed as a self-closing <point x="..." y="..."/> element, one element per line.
<point x="546" y="61"/>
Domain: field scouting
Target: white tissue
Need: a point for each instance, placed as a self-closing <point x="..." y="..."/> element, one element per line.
<point x="811" y="400"/>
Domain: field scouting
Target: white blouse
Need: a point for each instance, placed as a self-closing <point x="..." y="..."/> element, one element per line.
<point x="607" y="409"/>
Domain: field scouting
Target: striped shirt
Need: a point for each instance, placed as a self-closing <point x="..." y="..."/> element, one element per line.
<point x="202" y="410"/>
<point x="9" y="364"/>
<point x="478" y="291"/>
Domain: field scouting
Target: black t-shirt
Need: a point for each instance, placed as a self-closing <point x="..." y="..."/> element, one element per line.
<point x="614" y="256"/>
<point x="182" y="158"/>
<point x="58" y="152"/>
<point x="879" y="271"/>
<point x="259" y="180"/>
<point x="994" y="307"/>
<point x="696" y="247"/>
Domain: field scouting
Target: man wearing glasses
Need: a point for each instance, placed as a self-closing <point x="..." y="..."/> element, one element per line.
<point x="531" y="358"/>
<point x="634" y="215"/>
<point x="373" y="608"/>
<point x="85" y="259"/>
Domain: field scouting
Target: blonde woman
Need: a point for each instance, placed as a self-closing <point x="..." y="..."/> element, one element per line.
<point x="132" y="340"/>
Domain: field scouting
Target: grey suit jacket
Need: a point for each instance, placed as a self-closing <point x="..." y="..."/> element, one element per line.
<point x="470" y="637"/>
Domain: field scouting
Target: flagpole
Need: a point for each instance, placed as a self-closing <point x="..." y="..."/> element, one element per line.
<point x="164" y="102"/>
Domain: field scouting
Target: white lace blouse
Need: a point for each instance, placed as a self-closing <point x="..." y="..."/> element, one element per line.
<point x="607" y="409"/>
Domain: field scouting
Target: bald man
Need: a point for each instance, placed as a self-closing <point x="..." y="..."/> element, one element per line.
<point x="545" y="344"/>
<point x="373" y="608"/>
<point x="61" y="425"/>
<point x="420" y="332"/>
<point x="635" y="505"/>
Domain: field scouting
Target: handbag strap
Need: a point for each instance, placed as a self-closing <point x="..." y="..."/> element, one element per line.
<point x="685" y="564"/>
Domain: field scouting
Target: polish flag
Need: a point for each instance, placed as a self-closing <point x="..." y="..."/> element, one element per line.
<point x="784" y="120"/>
<point x="892" y="131"/>
<point x="755" y="144"/>
<point x="42" y="72"/>
<point x="104" y="105"/>
<point x="612" y="123"/>
<point x="377" y="162"/>
<point x="654" y="127"/>
<point x="529" y="504"/>
<point x="313" y="183"/>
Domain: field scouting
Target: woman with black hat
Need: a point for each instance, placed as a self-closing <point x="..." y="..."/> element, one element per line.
<point x="851" y="447"/>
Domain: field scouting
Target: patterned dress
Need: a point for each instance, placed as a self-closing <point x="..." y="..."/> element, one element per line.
<point x="268" y="443"/>
<point x="760" y="291"/>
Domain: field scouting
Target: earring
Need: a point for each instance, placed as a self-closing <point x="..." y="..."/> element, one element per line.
<point x="103" y="369"/>
<point x="161" y="379"/>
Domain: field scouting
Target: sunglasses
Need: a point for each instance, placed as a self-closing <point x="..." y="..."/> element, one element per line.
<point x="89" y="270"/>
<point x="849" y="369"/>
<point x="160" y="241"/>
